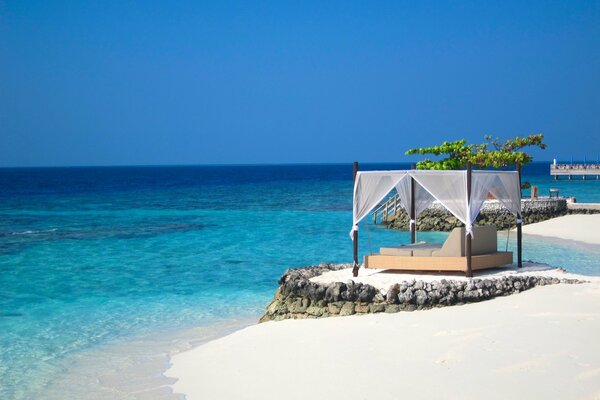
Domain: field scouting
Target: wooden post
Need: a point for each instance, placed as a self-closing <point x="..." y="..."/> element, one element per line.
<point x="469" y="272"/>
<point x="355" y="233"/>
<point x="413" y="210"/>
<point x="519" y="228"/>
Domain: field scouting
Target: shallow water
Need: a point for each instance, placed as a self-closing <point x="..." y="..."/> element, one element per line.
<point x="92" y="258"/>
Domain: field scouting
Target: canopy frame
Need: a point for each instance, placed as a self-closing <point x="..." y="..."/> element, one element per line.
<point x="457" y="191"/>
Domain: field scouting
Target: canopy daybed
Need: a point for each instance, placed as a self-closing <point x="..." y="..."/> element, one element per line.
<point x="462" y="193"/>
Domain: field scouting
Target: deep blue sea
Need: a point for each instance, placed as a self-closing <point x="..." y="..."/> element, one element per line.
<point x="92" y="259"/>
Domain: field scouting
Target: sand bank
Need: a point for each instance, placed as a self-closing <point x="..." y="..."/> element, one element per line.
<point x="383" y="279"/>
<point x="580" y="227"/>
<point x="541" y="343"/>
<point x="538" y="344"/>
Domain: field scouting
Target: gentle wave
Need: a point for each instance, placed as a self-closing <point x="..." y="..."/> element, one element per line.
<point x="118" y="232"/>
<point x="29" y="232"/>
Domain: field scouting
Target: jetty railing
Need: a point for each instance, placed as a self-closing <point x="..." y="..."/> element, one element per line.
<point x="387" y="210"/>
<point x="575" y="170"/>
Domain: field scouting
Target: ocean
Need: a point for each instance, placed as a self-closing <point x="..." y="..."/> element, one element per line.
<point x="105" y="271"/>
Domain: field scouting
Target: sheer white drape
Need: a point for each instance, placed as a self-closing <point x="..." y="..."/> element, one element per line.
<point x="403" y="189"/>
<point x="370" y="188"/>
<point x="507" y="191"/>
<point x="423" y="198"/>
<point x="480" y="187"/>
<point x="448" y="187"/>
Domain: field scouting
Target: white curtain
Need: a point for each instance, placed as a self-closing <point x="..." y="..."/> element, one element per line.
<point x="370" y="189"/>
<point x="448" y="187"/>
<point x="507" y="191"/>
<point x="481" y="182"/>
<point x="423" y="198"/>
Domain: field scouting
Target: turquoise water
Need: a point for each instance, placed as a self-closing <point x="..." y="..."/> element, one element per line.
<point x="94" y="256"/>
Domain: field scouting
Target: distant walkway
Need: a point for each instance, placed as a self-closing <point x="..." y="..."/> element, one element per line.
<point x="571" y="170"/>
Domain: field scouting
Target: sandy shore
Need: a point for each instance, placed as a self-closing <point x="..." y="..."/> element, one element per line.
<point x="382" y="279"/>
<point x="579" y="227"/>
<point x="542" y="343"/>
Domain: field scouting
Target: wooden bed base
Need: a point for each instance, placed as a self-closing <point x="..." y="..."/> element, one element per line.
<point x="380" y="261"/>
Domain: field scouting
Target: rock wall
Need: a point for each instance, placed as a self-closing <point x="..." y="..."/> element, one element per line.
<point x="437" y="218"/>
<point x="299" y="298"/>
<point x="583" y="211"/>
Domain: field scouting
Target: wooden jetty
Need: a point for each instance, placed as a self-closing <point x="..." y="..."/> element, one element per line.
<point x="387" y="210"/>
<point x="583" y="171"/>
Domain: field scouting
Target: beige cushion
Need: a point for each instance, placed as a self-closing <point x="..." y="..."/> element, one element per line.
<point x="453" y="246"/>
<point x="405" y="250"/>
<point x="485" y="241"/>
<point x="396" y="251"/>
<point x="426" y="251"/>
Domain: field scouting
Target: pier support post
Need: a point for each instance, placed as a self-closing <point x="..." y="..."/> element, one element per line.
<point x="355" y="233"/>
<point x="413" y="210"/>
<point x="469" y="272"/>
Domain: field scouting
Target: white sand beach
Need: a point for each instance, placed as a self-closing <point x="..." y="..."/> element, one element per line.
<point x="579" y="227"/>
<point x="542" y="343"/>
<point x="382" y="279"/>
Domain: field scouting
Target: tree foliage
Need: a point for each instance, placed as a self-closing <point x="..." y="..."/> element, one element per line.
<point x="490" y="153"/>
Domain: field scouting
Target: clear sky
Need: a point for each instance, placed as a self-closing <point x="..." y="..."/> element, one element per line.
<point x="192" y="82"/>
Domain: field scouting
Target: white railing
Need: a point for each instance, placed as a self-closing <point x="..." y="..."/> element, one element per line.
<point x="387" y="210"/>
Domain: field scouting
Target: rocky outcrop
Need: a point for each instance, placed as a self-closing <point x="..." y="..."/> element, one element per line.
<point x="583" y="211"/>
<point x="298" y="297"/>
<point x="437" y="218"/>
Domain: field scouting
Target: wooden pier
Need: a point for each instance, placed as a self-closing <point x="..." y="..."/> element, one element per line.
<point x="583" y="171"/>
<point x="387" y="210"/>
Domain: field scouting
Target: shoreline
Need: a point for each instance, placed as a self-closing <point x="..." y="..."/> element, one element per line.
<point x="152" y="377"/>
<point x="539" y="343"/>
<point x="267" y="359"/>
<point x="581" y="228"/>
<point x="572" y="243"/>
<point x="130" y="367"/>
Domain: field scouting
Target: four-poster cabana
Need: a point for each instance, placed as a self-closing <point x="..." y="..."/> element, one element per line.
<point x="462" y="193"/>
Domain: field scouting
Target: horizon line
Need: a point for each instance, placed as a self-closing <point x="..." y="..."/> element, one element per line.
<point x="231" y="164"/>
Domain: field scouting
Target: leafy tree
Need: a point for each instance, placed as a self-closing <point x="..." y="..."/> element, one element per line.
<point x="490" y="153"/>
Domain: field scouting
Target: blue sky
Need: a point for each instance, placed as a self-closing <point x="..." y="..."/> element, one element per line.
<point x="191" y="82"/>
